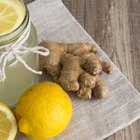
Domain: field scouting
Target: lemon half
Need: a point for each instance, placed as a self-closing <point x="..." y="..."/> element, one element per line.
<point x="8" y="126"/>
<point x="12" y="14"/>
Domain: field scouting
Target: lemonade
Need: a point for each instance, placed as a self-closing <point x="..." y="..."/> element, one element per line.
<point x="11" y="15"/>
<point x="14" y="18"/>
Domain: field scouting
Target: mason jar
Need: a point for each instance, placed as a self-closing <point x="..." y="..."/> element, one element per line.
<point x="18" y="78"/>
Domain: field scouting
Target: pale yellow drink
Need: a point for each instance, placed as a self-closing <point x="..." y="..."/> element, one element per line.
<point x="14" y="18"/>
<point x="12" y="14"/>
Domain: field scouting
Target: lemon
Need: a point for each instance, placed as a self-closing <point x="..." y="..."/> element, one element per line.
<point x="11" y="15"/>
<point x="8" y="126"/>
<point x="43" y="111"/>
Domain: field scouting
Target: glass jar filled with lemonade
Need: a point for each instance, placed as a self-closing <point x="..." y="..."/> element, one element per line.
<point x="18" y="59"/>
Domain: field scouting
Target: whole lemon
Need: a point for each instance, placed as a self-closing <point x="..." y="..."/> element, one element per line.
<point x="43" y="111"/>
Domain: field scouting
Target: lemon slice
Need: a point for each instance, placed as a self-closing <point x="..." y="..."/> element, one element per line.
<point x="8" y="126"/>
<point x="12" y="14"/>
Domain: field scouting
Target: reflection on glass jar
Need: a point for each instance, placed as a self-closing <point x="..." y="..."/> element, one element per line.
<point x="18" y="78"/>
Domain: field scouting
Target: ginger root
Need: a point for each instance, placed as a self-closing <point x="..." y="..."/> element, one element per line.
<point x="76" y="68"/>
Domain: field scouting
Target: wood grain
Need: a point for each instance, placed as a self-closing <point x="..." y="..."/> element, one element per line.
<point x="115" y="26"/>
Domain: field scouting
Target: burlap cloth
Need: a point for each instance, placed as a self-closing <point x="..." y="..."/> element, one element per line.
<point x="92" y="119"/>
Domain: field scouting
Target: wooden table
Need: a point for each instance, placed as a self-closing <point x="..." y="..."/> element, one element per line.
<point x="115" y="26"/>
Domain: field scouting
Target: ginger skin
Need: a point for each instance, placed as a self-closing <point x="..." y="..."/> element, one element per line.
<point x="76" y="68"/>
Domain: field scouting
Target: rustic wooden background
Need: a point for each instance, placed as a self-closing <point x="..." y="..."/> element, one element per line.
<point x="115" y="26"/>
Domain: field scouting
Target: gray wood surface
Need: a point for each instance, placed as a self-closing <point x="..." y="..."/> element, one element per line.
<point x="115" y="26"/>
